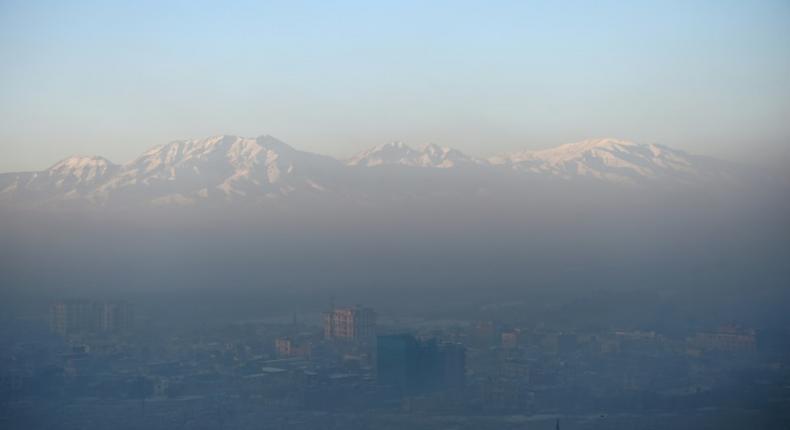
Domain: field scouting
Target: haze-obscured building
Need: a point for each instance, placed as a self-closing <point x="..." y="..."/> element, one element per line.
<point x="70" y="317"/>
<point x="356" y="323"/>
<point x="416" y="366"/>
<point x="727" y="338"/>
<point x="510" y="339"/>
<point x="288" y="347"/>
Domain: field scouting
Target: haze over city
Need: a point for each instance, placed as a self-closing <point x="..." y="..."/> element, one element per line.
<point x="427" y="215"/>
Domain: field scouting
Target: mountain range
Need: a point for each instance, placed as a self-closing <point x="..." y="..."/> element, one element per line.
<point x="230" y="168"/>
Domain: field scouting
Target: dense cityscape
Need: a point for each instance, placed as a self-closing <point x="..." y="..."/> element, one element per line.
<point x="106" y="364"/>
<point x="395" y="215"/>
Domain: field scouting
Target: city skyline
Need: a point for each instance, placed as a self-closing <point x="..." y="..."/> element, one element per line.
<point x="450" y="215"/>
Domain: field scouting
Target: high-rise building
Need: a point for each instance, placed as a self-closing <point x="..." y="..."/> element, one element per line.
<point x="453" y="365"/>
<point x="398" y="361"/>
<point x="416" y="366"/>
<point x="354" y="324"/>
<point x="71" y="317"/>
<point x="115" y="316"/>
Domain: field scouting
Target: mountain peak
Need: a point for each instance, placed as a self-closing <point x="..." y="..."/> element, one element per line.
<point x="398" y="153"/>
<point x="214" y="147"/>
<point x="226" y="167"/>
<point x="604" y="142"/>
<point x="608" y="159"/>
<point x="70" y="178"/>
<point x="220" y="167"/>
<point x="82" y="167"/>
<point x="81" y="161"/>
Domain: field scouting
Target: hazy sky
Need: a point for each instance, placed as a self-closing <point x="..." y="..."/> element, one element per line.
<point x="114" y="78"/>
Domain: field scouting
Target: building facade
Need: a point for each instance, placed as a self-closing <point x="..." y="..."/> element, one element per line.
<point x="71" y="317"/>
<point x="416" y="366"/>
<point x="353" y="324"/>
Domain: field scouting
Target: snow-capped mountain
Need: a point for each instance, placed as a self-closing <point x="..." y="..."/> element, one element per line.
<point x="220" y="167"/>
<point x="398" y="153"/>
<point x="69" y="179"/>
<point x="229" y="168"/>
<point x="612" y="160"/>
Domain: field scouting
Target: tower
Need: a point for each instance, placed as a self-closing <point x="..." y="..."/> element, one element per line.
<point x="356" y="323"/>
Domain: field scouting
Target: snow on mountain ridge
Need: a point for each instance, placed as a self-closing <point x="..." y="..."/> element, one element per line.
<point x="79" y="169"/>
<point x="220" y="167"/>
<point x="239" y="151"/>
<point x="223" y="168"/>
<point x="68" y="179"/>
<point x="564" y="151"/>
<point x="605" y="159"/>
<point x="398" y="153"/>
<point x="81" y="162"/>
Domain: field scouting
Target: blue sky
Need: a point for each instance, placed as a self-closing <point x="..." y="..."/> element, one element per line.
<point x="114" y="78"/>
